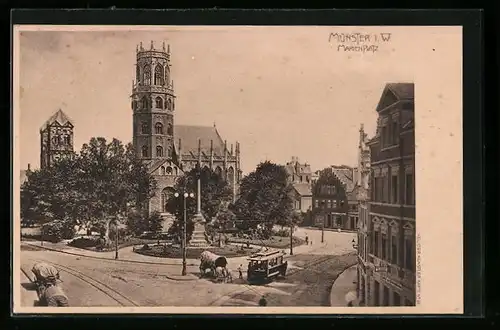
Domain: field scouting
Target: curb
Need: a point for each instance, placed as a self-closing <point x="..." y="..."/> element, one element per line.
<point x="103" y="258"/>
<point x="334" y="282"/>
<point x="181" y="278"/>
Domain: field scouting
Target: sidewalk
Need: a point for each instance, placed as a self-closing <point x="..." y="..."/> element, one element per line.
<point x="343" y="285"/>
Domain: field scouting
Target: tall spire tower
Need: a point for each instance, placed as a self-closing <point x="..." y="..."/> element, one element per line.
<point x="153" y="104"/>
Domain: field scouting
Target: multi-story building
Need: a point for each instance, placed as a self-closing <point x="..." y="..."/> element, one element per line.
<point x="390" y="250"/>
<point x="334" y="203"/>
<point x="170" y="150"/>
<point x="363" y="194"/>
<point x="300" y="176"/>
<point x="56" y="139"/>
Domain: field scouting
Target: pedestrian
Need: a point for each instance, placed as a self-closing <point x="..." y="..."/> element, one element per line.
<point x="307" y="240"/>
<point x="263" y="301"/>
<point x="240" y="272"/>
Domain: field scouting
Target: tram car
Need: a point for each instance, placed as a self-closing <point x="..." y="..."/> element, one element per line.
<point x="266" y="266"/>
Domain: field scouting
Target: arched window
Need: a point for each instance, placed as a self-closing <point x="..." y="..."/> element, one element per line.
<point x="159" y="75"/>
<point x="218" y="171"/>
<point x="159" y="151"/>
<point x="169" y="104"/>
<point x="230" y="176"/>
<point x="169" y="170"/>
<point x="158" y="128"/>
<point x="145" y="127"/>
<point x="144" y="103"/>
<point x="166" y="75"/>
<point x="147" y="75"/>
<point x="67" y="140"/>
<point x="138" y="74"/>
<point x="170" y="130"/>
<point x="159" y="102"/>
<point x="162" y="170"/>
<point x="144" y="151"/>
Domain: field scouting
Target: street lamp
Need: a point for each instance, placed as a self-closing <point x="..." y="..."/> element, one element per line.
<point x="185" y="195"/>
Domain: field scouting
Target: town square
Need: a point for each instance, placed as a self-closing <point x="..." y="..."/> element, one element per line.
<point x="241" y="184"/>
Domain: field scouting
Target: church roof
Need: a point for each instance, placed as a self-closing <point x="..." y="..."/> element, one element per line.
<point x="59" y="117"/>
<point x="190" y="136"/>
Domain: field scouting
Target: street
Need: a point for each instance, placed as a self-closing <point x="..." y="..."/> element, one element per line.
<point x="89" y="281"/>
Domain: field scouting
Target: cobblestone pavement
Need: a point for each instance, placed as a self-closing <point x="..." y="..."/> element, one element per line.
<point x="308" y="283"/>
<point x="97" y="280"/>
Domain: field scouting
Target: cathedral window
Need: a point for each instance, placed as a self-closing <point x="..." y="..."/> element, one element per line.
<point x="159" y="75"/>
<point x="170" y="130"/>
<point x="158" y="128"/>
<point x="159" y="102"/>
<point x="138" y="73"/>
<point x="159" y="151"/>
<point x="144" y="151"/>
<point x="144" y="103"/>
<point x="169" y="104"/>
<point x="147" y="75"/>
<point x="169" y="170"/>
<point x="67" y="140"/>
<point x="145" y="127"/>
<point x="162" y="170"/>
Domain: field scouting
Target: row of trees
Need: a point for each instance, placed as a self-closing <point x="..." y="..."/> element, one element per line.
<point x="105" y="180"/>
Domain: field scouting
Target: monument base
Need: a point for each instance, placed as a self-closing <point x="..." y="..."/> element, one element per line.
<point x="198" y="238"/>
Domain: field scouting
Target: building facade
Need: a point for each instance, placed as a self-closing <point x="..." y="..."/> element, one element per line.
<point x="390" y="250"/>
<point x="363" y="194"/>
<point x="56" y="139"/>
<point x="333" y="199"/>
<point x="169" y="150"/>
<point x="300" y="176"/>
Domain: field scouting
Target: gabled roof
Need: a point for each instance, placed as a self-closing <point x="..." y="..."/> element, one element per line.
<point x="60" y="118"/>
<point x="395" y="92"/>
<point x="190" y="135"/>
<point x="403" y="91"/>
<point x="303" y="189"/>
<point x="345" y="176"/>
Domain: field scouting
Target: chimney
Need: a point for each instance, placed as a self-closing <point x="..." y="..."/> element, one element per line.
<point x="29" y="167"/>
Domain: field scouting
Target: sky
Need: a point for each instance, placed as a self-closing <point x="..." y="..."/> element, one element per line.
<point x="278" y="91"/>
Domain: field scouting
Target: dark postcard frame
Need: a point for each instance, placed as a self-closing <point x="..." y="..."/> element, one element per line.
<point x="471" y="20"/>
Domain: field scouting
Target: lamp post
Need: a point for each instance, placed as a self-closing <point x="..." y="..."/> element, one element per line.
<point x="323" y="229"/>
<point x="291" y="236"/>
<point x="184" y="195"/>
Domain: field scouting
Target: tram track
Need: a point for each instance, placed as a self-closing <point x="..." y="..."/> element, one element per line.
<point x="248" y="288"/>
<point x="100" y="286"/>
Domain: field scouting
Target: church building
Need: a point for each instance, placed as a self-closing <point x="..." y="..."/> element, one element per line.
<point x="169" y="150"/>
<point x="56" y="139"/>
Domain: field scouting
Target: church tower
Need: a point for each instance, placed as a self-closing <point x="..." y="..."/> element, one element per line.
<point x="153" y="104"/>
<point x="56" y="138"/>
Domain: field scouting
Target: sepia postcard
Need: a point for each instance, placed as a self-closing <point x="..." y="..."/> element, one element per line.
<point x="237" y="169"/>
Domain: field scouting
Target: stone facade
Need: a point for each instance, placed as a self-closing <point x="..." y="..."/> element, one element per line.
<point x="363" y="193"/>
<point x="56" y="139"/>
<point x="387" y="271"/>
<point x="334" y="203"/>
<point x="169" y="150"/>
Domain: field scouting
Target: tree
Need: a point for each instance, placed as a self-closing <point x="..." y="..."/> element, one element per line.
<point x="101" y="182"/>
<point x="265" y="196"/>
<point x="214" y="191"/>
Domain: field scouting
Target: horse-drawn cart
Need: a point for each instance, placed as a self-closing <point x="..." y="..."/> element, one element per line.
<point x="214" y="266"/>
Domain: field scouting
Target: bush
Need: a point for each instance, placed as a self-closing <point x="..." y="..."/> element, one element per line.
<point x="146" y="247"/>
<point x="122" y="233"/>
<point x="57" y="230"/>
<point x="85" y="242"/>
<point x="281" y="232"/>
